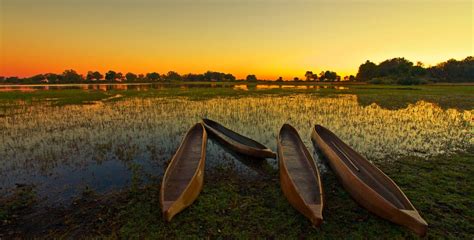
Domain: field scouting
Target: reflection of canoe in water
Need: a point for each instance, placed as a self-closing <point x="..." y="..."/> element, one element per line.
<point x="237" y="142"/>
<point x="367" y="184"/>
<point x="183" y="179"/>
<point x="299" y="175"/>
<point x="259" y="165"/>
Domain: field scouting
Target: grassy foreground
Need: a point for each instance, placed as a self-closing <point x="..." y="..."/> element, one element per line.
<point x="233" y="207"/>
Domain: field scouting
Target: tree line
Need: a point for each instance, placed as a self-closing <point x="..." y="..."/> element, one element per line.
<point x="403" y="71"/>
<point x="390" y="71"/>
<point x="71" y="76"/>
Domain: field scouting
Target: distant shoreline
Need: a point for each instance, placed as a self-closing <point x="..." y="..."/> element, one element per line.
<point x="190" y="83"/>
<point x="225" y="83"/>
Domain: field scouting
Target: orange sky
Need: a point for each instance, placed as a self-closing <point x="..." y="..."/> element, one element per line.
<point x="269" y="38"/>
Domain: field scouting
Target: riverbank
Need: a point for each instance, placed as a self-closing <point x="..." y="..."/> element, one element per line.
<point x="231" y="206"/>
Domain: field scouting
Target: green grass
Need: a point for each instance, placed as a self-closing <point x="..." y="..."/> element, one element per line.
<point x="231" y="206"/>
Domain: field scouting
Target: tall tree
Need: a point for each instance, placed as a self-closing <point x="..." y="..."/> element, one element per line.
<point x="53" y="77"/>
<point x="309" y="75"/>
<point x="38" y="78"/>
<point x="367" y="71"/>
<point x="131" y="77"/>
<point x="119" y="76"/>
<point x="94" y="76"/>
<point x="71" y="76"/>
<point x="110" y="76"/>
<point x="173" y="76"/>
<point x="251" y="78"/>
<point x="153" y="76"/>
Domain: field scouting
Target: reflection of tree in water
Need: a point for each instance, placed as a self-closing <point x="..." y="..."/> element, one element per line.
<point x="259" y="165"/>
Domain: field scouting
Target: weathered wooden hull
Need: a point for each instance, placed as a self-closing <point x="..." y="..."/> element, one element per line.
<point x="299" y="176"/>
<point x="237" y="142"/>
<point x="184" y="176"/>
<point x="367" y="184"/>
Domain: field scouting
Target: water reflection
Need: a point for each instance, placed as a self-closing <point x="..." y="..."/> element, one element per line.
<point x="148" y="86"/>
<point x="241" y="87"/>
<point x="259" y="165"/>
<point x="62" y="149"/>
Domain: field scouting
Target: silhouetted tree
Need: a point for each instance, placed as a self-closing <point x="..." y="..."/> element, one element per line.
<point x="352" y="78"/>
<point x="12" y="80"/>
<point x="97" y="76"/>
<point x="89" y="76"/>
<point x="53" y="77"/>
<point x="309" y="75"/>
<point x="367" y="71"/>
<point x="321" y="76"/>
<point x="251" y="78"/>
<point x="131" y="77"/>
<point x="394" y="67"/>
<point x="329" y="76"/>
<point x="71" y="76"/>
<point x="40" y="78"/>
<point x="191" y="77"/>
<point x="153" y="76"/>
<point x="94" y="76"/>
<point x="453" y="70"/>
<point x="119" y="77"/>
<point x="229" y="77"/>
<point x="110" y="76"/>
<point x="280" y="79"/>
<point x="173" y="76"/>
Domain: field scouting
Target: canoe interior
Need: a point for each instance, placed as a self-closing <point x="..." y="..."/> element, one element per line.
<point x="186" y="162"/>
<point x="364" y="170"/>
<point x="301" y="171"/>
<point x="233" y="135"/>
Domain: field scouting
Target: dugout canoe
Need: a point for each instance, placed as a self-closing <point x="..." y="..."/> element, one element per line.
<point x="237" y="142"/>
<point x="299" y="176"/>
<point x="184" y="176"/>
<point x="367" y="184"/>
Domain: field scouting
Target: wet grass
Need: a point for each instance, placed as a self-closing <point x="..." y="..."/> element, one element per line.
<point x="387" y="96"/>
<point x="232" y="207"/>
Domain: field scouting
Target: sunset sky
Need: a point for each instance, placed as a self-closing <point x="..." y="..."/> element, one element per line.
<point x="269" y="38"/>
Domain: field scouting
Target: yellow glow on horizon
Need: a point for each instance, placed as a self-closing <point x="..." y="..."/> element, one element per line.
<point x="268" y="38"/>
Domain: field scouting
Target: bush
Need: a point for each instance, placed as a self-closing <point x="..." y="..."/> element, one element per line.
<point x="382" y="80"/>
<point x="408" y="81"/>
<point x="399" y="80"/>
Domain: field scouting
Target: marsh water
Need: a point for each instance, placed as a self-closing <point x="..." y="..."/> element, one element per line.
<point x="148" y="86"/>
<point x="64" y="149"/>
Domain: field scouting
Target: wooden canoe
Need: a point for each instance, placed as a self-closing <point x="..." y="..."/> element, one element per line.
<point x="367" y="184"/>
<point x="299" y="175"/>
<point x="184" y="176"/>
<point x="237" y="142"/>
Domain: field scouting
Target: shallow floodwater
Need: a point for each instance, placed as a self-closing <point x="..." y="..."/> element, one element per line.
<point x="148" y="86"/>
<point x="64" y="149"/>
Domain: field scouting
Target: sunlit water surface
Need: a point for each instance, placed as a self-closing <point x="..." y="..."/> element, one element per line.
<point x="64" y="149"/>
